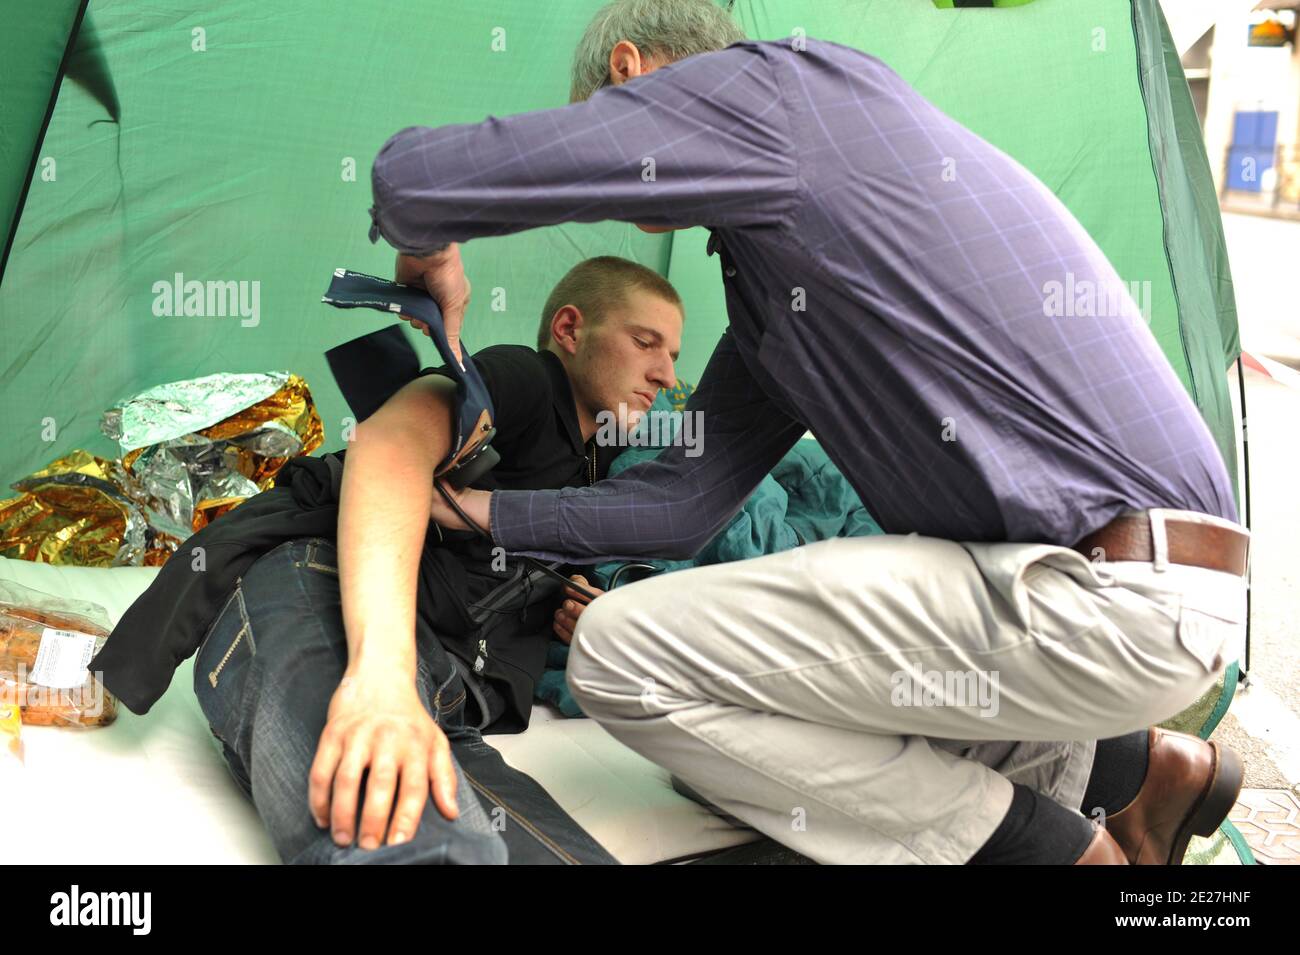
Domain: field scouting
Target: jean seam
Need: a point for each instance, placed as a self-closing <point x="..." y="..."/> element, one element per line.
<point x="453" y="704"/>
<point x="244" y="618"/>
<point x="528" y="826"/>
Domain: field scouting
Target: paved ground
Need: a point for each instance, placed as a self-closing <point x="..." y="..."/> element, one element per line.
<point x="1264" y="722"/>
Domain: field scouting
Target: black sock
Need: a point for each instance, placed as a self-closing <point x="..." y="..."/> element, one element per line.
<point x="1118" y="772"/>
<point x="1036" y="831"/>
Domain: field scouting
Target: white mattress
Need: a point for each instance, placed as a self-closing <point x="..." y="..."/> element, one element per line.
<point x="155" y="789"/>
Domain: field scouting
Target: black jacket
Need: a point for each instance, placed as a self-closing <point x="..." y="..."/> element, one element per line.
<point x="540" y="445"/>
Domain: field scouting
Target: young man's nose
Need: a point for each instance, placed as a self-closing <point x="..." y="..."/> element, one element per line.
<point x="665" y="377"/>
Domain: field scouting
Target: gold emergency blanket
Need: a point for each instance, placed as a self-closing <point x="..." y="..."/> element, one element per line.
<point x="190" y="451"/>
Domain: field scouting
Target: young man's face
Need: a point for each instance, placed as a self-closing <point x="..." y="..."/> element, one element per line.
<point x="626" y="357"/>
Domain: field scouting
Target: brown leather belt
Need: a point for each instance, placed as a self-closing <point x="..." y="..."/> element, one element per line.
<point x="1215" y="546"/>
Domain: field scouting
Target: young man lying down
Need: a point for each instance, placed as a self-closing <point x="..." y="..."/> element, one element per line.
<point x="330" y="670"/>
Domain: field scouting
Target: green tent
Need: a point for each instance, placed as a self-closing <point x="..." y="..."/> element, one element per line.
<point x="235" y="143"/>
<point x="144" y="141"/>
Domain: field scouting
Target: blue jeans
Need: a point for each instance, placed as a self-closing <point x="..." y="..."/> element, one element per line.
<point x="264" y="677"/>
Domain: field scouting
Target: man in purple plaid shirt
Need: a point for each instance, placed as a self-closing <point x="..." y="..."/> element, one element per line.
<point x="1061" y="562"/>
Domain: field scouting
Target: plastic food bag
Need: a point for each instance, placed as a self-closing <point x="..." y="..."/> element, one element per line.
<point x="11" y="741"/>
<point x="45" y="644"/>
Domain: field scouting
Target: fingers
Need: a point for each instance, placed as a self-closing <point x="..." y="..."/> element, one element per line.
<point x="563" y="628"/>
<point x="568" y="614"/>
<point x="380" y="785"/>
<point x="421" y="762"/>
<point x="415" y="323"/>
<point x="571" y="595"/>
<point x="347" y="783"/>
<point x="320" y="778"/>
<point x="411" y="798"/>
<point x="566" y="617"/>
<point x="442" y="778"/>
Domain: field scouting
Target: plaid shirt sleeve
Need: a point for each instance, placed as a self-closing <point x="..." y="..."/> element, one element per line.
<point x="704" y="141"/>
<point x="670" y="506"/>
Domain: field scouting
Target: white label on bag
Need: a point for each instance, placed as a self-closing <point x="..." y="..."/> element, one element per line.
<point x="63" y="658"/>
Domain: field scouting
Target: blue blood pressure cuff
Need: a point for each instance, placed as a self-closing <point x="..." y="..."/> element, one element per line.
<point x="472" y="415"/>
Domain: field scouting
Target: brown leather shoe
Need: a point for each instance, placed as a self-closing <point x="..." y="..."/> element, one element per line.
<point x="1103" y="850"/>
<point x="1190" y="787"/>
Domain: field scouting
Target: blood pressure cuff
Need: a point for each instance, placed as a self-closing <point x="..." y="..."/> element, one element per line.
<point x="371" y="369"/>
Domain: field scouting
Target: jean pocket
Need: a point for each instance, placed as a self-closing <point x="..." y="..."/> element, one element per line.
<point x="230" y="643"/>
<point x="321" y="555"/>
<point x="447" y="697"/>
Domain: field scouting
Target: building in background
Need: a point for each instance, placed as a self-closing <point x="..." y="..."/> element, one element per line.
<point x="1244" y="75"/>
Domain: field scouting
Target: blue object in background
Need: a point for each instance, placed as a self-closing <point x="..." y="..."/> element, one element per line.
<point x="1254" y="143"/>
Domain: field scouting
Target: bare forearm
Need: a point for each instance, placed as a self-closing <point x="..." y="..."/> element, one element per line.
<point x="383" y="516"/>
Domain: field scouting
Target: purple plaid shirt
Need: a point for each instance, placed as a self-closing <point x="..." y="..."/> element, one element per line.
<point x="895" y="284"/>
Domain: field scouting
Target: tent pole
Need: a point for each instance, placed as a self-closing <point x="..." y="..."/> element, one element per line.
<point x="1245" y="466"/>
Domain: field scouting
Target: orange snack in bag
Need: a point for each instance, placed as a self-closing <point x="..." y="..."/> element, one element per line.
<point x="44" y="649"/>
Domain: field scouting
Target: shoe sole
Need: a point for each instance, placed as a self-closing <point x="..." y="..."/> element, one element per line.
<point x="1215" y="804"/>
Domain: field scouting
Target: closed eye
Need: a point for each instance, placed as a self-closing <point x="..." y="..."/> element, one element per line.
<point x="641" y="343"/>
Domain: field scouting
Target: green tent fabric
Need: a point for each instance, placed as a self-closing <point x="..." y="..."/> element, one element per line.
<point x="35" y="46"/>
<point x="241" y="150"/>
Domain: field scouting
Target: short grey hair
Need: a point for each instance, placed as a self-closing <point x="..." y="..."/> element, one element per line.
<point x="673" y="29"/>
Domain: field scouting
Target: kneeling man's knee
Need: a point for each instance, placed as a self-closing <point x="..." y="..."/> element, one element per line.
<point x="599" y="673"/>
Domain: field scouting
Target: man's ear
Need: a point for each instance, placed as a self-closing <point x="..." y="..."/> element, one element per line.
<point x="565" y="326"/>
<point x="625" y="62"/>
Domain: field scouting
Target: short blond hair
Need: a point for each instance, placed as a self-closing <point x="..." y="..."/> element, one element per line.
<point x="594" y="285"/>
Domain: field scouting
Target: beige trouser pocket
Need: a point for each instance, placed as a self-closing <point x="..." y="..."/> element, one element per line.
<point x="1212" y="639"/>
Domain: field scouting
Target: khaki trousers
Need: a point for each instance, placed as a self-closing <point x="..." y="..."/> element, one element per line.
<point x="872" y="699"/>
